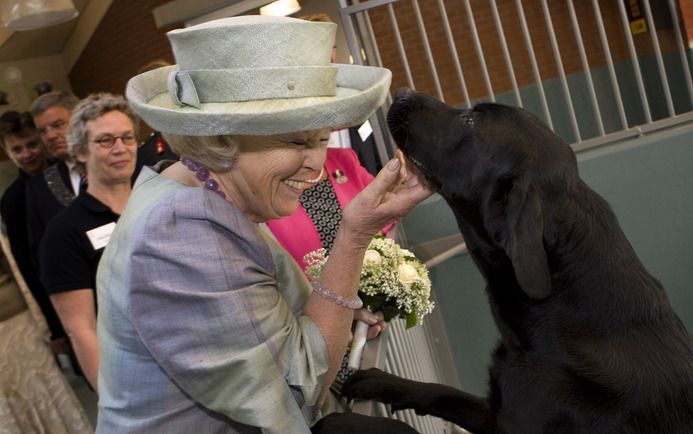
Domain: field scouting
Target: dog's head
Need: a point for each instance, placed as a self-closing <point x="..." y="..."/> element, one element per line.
<point x="500" y="167"/>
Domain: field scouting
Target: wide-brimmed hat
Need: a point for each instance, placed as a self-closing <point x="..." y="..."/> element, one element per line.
<point x="256" y="75"/>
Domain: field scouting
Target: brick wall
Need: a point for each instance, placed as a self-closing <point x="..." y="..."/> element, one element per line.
<point x="687" y="16"/>
<point x="125" y="40"/>
<point x="490" y="42"/>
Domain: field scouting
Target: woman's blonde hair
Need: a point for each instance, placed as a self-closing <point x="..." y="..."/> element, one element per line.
<point x="217" y="153"/>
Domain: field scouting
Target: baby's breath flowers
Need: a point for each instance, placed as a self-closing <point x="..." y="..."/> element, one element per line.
<point x="392" y="280"/>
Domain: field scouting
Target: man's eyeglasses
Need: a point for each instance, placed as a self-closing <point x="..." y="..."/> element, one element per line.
<point x="58" y="125"/>
<point x="107" y="142"/>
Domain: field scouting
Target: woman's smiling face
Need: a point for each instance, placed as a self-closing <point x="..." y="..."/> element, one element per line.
<point x="271" y="172"/>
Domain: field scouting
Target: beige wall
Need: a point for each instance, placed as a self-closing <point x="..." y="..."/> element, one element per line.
<point x="18" y="79"/>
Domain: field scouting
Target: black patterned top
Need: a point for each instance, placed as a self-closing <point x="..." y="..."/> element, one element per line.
<point x="322" y="206"/>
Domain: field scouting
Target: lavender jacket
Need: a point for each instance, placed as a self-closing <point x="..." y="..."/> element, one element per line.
<point x="200" y="321"/>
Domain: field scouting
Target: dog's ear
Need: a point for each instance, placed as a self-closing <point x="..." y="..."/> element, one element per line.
<point x="524" y="243"/>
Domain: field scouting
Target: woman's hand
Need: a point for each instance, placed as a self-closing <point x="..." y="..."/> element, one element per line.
<point x="387" y="197"/>
<point x="376" y="322"/>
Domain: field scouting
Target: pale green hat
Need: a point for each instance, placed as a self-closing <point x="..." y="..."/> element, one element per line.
<point x="256" y="75"/>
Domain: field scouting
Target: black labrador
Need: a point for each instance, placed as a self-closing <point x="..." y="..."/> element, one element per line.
<point x="589" y="341"/>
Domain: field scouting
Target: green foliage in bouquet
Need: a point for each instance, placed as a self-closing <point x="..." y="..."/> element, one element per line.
<point x="392" y="280"/>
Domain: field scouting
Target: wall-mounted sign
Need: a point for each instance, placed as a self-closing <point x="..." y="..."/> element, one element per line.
<point x="636" y="17"/>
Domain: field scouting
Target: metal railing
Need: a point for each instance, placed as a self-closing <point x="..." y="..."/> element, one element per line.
<point x="612" y="95"/>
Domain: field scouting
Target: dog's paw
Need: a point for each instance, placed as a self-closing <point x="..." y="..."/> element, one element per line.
<point x="351" y="423"/>
<point x="377" y="385"/>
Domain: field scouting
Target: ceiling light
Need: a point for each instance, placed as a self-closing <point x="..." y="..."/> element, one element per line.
<point x="281" y="8"/>
<point x="35" y="14"/>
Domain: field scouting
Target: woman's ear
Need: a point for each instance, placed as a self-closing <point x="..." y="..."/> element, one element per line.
<point x="524" y="243"/>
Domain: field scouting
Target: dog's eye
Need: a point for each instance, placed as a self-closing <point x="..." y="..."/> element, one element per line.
<point x="467" y="119"/>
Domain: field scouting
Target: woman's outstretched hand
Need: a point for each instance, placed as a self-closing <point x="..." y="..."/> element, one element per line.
<point x="389" y="196"/>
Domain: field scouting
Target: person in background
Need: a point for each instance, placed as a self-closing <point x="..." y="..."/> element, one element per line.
<point x="35" y="396"/>
<point x="154" y="148"/>
<point x="103" y="138"/>
<point x="21" y="142"/>
<point x="359" y="138"/>
<point x="206" y="324"/>
<point x="56" y="187"/>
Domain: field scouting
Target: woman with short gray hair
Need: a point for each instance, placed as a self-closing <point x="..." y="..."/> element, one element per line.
<point x="103" y="138"/>
<point x="92" y="107"/>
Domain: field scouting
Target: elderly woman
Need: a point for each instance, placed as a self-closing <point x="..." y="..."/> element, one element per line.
<point x="102" y="137"/>
<point x="206" y="324"/>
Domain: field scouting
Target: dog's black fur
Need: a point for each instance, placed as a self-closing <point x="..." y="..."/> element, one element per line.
<point x="589" y="342"/>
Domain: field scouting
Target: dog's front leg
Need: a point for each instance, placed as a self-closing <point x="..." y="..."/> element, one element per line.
<point x="352" y="423"/>
<point x="468" y="411"/>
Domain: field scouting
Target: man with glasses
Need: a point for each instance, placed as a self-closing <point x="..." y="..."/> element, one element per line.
<point x="103" y="139"/>
<point x="51" y="191"/>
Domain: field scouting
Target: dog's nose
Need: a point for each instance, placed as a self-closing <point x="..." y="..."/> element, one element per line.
<point x="403" y="94"/>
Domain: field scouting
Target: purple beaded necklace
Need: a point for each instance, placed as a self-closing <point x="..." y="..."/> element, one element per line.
<point x="202" y="175"/>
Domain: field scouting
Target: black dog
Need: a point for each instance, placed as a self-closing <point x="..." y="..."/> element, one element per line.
<point x="589" y="342"/>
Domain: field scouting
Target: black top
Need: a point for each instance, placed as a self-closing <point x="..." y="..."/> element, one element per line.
<point x="322" y="206"/>
<point x="46" y="197"/>
<point x="13" y="210"/>
<point x="68" y="258"/>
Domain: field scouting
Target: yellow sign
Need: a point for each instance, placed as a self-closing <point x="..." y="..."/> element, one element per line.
<point x="636" y="19"/>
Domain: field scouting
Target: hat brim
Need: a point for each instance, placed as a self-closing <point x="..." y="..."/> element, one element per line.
<point x="360" y="91"/>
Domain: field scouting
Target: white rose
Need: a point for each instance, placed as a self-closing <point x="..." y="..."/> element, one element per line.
<point x="372" y="257"/>
<point x="407" y="253"/>
<point x="407" y="274"/>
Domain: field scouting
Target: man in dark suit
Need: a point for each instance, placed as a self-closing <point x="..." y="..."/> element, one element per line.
<point x="362" y="142"/>
<point x="56" y="187"/>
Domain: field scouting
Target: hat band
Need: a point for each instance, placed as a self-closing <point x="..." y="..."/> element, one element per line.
<point x="226" y="85"/>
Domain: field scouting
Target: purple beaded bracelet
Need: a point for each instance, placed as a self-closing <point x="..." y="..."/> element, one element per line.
<point x="354" y="303"/>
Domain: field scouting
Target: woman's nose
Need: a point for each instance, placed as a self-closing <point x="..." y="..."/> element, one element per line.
<point x="315" y="158"/>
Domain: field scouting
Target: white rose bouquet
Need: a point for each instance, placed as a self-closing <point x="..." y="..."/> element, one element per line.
<point x="392" y="281"/>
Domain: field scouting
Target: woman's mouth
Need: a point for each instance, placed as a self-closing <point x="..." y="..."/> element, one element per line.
<point x="302" y="184"/>
<point x="120" y="164"/>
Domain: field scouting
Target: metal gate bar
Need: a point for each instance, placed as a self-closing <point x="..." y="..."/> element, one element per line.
<point x="533" y="60"/>
<point x="585" y="67"/>
<point x="561" y="71"/>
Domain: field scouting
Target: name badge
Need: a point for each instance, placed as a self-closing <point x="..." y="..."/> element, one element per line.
<point x="365" y="130"/>
<point x="99" y="236"/>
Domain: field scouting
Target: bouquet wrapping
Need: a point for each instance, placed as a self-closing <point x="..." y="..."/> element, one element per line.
<point x="393" y="281"/>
